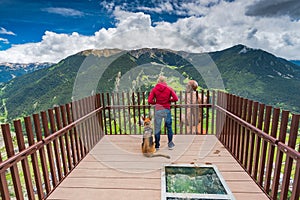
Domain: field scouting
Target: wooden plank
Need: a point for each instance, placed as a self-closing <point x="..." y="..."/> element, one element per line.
<point x="134" y="183"/>
<point x="129" y="175"/>
<point x="109" y="173"/>
<point x="113" y="194"/>
<point x="250" y="196"/>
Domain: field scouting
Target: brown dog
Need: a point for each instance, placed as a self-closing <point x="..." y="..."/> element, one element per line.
<point x="148" y="145"/>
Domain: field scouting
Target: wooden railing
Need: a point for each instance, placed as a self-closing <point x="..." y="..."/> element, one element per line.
<point x="263" y="140"/>
<point x="125" y="110"/>
<point x="48" y="146"/>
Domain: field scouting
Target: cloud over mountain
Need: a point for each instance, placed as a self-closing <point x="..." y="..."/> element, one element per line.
<point x="275" y="8"/>
<point x="203" y="26"/>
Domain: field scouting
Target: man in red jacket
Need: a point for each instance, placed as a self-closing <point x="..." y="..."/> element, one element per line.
<point x="161" y="96"/>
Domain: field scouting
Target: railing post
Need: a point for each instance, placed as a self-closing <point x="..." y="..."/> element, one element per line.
<point x="264" y="146"/>
<point x="3" y="184"/>
<point x="252" y="137"/>
<point x="25" y="165"/>
<point x="270" y="161"/>
<point x="49" y="149"/>
<point x="289" y="161"/>
<point x="213" y="115"/>
<point x="258" y="141"/>
<point x="34" y="158"/>
<point x="37" y="126"/>
<point x="14" y="169"/>
<point x="296" y="185"/>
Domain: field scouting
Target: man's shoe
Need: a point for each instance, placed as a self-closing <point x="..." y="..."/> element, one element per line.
<point x="171" y="145"/>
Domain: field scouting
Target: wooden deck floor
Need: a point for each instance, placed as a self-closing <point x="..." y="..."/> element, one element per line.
<point x="115" y="169"/>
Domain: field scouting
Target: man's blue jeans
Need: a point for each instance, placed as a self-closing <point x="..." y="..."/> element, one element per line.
<point x="166" y="115"/>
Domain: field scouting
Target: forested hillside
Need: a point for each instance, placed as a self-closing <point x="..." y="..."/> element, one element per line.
<point x="250" y="73"/>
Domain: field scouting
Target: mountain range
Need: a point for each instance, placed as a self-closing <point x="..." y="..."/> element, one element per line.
<point x="240" y="70"/>
<point x="9" y="71"/>
<point x="297" y="62"/>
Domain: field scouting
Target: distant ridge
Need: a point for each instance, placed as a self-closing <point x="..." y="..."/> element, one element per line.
<point x="100" y="53"/>
<point x="247" y="72"/>
<point x="297" y="62"/>
<point x="9" y="71"/>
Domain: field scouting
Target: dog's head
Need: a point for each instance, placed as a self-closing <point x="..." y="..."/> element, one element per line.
<point x="146" y="121"/>
<point x="192" y="85"/>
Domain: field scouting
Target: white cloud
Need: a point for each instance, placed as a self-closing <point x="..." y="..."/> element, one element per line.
<point x="6" y="32"/>
<point x="128" y="20"/>
<point x="109" y="6"/>
<point x="3" y="40"/>
<point x="220" y="26"/>
<point x="67" y="12"/>
<point x="163" y="7"/>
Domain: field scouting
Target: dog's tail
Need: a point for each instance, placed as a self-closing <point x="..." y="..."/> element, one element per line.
<point x="150" y="155"/>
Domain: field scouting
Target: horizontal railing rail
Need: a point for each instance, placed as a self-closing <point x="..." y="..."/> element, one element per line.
<point x="38" y="145"/>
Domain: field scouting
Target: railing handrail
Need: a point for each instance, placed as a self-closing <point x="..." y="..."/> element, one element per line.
<point x="261" y="133"/>
<point x="38" y="145"/>
<point x="274" y="141"/>
<point x="150" y="106"/>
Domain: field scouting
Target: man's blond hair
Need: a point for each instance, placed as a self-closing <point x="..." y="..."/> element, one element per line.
<point x="161" y="79"/>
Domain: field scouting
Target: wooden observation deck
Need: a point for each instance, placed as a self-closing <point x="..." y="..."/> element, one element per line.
<point x="90" y="149"/>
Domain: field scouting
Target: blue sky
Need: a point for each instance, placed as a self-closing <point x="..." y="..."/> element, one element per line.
<point x="48" y="31"/>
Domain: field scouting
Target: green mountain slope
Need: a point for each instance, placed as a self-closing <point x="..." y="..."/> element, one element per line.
<point x="250" y="73"/>
<point x="260" y="76"/>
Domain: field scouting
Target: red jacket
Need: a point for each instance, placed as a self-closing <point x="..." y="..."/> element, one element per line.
<point x="162" y="96"/>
